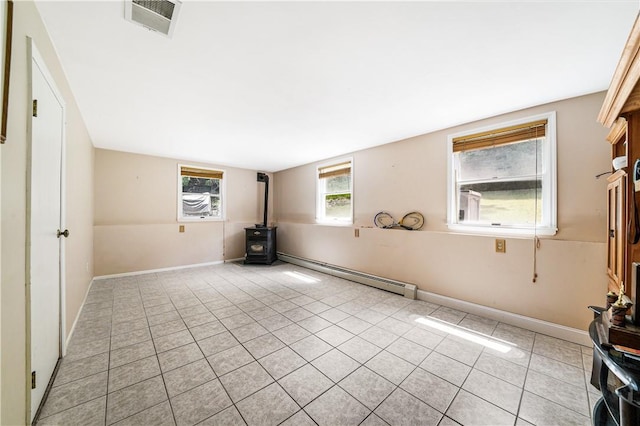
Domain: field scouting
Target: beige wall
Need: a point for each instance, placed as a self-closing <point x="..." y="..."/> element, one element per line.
<point x="136" y="226"/>
<point x="79" y="202"/>
<point x="412" y="175"/>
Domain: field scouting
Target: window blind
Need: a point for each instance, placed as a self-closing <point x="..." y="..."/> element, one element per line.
<point x="517" y="133"/>
<point x="339" y="169"/>
<point x="201" y="173"/>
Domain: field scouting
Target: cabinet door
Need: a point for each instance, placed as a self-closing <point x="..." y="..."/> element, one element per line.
<point x="616" y="223"/>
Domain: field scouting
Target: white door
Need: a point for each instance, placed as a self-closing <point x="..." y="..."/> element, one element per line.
<point x="47" y="127"/>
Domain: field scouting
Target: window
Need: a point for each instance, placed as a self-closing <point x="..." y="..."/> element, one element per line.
<point x="503" y="180"/>
<point x="200" y="193"/>
<point x="335" y="193"/>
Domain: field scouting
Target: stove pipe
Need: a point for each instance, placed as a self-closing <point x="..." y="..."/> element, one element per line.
<point x="263" y="177"/>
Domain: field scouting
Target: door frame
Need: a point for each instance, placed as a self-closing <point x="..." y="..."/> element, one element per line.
<point x="33" y="55"/>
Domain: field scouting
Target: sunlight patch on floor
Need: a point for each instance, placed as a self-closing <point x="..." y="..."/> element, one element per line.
<point x="302" y="277"/>
<point x="482" y="339"/>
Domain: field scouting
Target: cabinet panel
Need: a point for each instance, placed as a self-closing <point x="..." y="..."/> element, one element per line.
<point x="616" y="219"/>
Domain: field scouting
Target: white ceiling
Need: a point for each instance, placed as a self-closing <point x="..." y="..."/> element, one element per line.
<point x="272" y="85"/>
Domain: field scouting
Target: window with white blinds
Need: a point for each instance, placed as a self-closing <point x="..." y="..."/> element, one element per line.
<point x="502" y="179"/>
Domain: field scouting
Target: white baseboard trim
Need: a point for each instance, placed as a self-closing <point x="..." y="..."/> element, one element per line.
<point x="75" y="321"/>
<point x="574" y="335"/>
<point x="234" y="260"/>
<point x="150" y="271"/>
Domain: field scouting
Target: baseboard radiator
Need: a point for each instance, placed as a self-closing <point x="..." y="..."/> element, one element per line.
<point x="398" y="287"/>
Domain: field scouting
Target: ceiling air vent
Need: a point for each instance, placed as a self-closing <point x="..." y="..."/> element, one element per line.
<point x="156" y="15"/>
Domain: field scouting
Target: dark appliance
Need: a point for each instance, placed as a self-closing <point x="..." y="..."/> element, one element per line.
<point x="260" y="245"/>
<point x="616" y="373"/>
<point x="260" y="241"/>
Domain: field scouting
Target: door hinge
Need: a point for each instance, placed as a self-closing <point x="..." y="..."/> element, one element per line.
<point x="33" y="380"/>
<point x="35" y="107"/>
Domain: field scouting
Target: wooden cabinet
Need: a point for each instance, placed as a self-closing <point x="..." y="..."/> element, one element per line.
<point x="616" y="218"/>
<point x="621" y="113"/>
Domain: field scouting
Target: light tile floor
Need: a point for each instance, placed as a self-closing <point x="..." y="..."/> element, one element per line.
<point x="261" y="345"/>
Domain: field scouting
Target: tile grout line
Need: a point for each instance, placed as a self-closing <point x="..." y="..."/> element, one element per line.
<point x="155" y="349"/>
<point x="106" y="400"/>
<point x="525" y="378"/>
<point x="233" y="404"/>
<point x="109" y="364"/>
<point x="463" y="382"/>
<point x="584" y="386"/>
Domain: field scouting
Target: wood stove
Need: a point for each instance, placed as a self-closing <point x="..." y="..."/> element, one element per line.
<point x="260" y="241"/>
<point x="260" y="245"/>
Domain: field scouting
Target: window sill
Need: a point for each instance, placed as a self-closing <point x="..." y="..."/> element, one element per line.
<point x="330" y="222"/>
<point x="502" y="230"/>
<point x="199" y="219"/>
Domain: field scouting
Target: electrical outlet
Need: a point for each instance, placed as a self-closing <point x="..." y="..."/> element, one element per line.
<point x="501" y="246"/>
<point x="181" y="228"/>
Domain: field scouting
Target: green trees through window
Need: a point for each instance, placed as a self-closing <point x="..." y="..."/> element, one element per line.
<point x="334" y="193"/>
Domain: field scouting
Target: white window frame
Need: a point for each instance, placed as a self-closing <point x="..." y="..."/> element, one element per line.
<point x="549" y="225"/>
<point x="223" y="207"/>
<point x="320" y="219"/>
